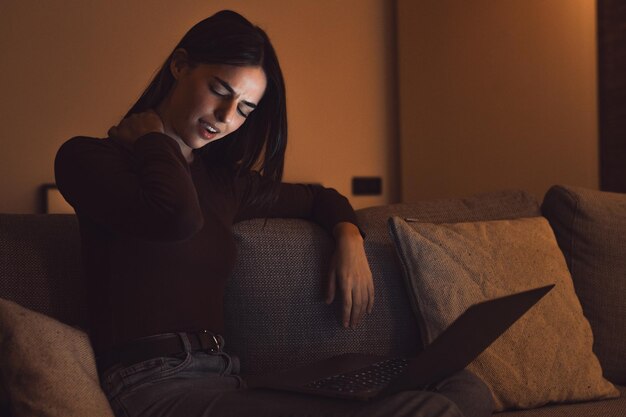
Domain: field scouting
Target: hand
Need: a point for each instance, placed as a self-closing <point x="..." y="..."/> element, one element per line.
<point x="136" y="125"/>
<point x="351" y="273"/>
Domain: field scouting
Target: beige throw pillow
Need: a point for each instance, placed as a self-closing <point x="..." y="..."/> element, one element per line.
<point x="546" y="356"/>
<point x="46" y="367"/>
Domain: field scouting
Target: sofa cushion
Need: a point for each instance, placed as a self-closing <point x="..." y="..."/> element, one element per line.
<point x="47" y="368"/>
<point x="590" y="227"/>
<point x="544" y="357"/>
<point x="607" y="408"/>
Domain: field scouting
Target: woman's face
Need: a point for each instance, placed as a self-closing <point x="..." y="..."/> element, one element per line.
<point x="210" y="101"/>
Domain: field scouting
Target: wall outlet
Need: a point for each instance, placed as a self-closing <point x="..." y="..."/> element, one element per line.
<point x="367" y="186"/>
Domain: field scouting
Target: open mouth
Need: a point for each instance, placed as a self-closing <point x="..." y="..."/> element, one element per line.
<point x="209" y="128"/>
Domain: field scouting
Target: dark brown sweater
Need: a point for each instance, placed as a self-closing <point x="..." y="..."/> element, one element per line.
<point x="156" y="232"/>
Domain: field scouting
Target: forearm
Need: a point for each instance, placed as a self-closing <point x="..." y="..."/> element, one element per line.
<point x="324" y="206"/>
<point x="347" y="231"/>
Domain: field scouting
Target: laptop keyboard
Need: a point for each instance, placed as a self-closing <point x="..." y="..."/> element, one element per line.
<point x="374" y="376"/>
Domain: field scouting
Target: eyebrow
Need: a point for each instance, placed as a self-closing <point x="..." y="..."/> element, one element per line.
<point x="231" y="91"/>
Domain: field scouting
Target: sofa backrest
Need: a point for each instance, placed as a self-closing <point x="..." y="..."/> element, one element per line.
<point x="275" y="314"/>
<point x="40" y="265"/>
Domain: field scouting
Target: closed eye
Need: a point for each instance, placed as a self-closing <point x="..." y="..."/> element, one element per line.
<point x="218" y="92"/>
<point x="251" y="106"/>
<point x="242" y="112"/>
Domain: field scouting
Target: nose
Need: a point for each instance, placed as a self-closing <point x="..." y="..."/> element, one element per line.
<point x="226" y="111"/>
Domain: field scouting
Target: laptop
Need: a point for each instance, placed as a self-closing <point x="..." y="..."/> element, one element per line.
<point x="365" y="377"/>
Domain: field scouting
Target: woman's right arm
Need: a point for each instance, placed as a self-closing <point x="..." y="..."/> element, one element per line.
<point x="141" y="187"/>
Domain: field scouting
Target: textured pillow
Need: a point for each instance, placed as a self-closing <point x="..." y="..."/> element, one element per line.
<point x="544" y="357"/>
<point x="46" y="367"/>
<point x="590" y="227"/>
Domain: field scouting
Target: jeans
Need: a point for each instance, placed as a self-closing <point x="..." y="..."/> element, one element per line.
<point x="199" y="384"/>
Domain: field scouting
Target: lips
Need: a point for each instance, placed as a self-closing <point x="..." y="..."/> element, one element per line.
<point x="209" y="127"/>
<point x="207" y="131"/>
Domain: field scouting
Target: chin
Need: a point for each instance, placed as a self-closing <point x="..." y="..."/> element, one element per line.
<point x="195" y="142"/>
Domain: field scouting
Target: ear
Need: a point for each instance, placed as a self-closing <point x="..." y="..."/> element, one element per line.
<point x="179" y="62"/>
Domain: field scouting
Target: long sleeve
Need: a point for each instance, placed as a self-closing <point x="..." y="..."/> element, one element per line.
<point x="145" y="191"/>
<point x="324" y="206"/>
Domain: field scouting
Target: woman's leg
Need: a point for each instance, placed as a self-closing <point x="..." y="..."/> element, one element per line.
<point x="199" y="398"/>
<point x="468" y="392"/>
<point x="462" y="394"/>
<point x="201" y="385"/>
<point x="157" y="386"/>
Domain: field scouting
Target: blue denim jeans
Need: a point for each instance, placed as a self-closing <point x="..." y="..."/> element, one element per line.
<point x="198" y="384"/>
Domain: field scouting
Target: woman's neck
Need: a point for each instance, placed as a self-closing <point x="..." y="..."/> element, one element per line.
<point x="169" y="131"/>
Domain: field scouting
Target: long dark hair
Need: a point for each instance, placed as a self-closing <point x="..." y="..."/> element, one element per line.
<point x="259" y="144"/>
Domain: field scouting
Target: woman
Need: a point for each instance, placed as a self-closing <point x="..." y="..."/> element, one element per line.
<point x="201" y="149"/>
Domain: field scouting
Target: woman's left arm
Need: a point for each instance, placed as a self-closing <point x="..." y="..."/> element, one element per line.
<point x="350" y="275"/>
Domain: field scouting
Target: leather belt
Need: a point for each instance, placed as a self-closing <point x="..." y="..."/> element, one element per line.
<point x="159" y="345"/>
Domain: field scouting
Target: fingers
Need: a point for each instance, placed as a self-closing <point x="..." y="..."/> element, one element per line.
<point x="357" y="296"/>
<point x="357" y="301"/>
<point x="364" y="305"/>
<point x="370" y="296"/>
<point x="136" y="125"/>
<point x="331" y="286"/>
<point x="357" y="307"/>
<point x="347" y="307"/>
<point x="351" y="276"/>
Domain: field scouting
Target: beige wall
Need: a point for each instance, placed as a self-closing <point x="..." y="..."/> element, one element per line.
<point x="73" y="67"/>
<point x="496" y="94"/>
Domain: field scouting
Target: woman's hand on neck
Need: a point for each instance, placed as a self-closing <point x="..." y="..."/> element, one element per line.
<point x="135" y="126"/>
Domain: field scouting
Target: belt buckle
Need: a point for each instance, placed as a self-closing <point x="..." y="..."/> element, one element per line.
<point x="209" y="342"/>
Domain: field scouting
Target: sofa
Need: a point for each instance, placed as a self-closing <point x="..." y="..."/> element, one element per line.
<point x="275" y="314"/>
